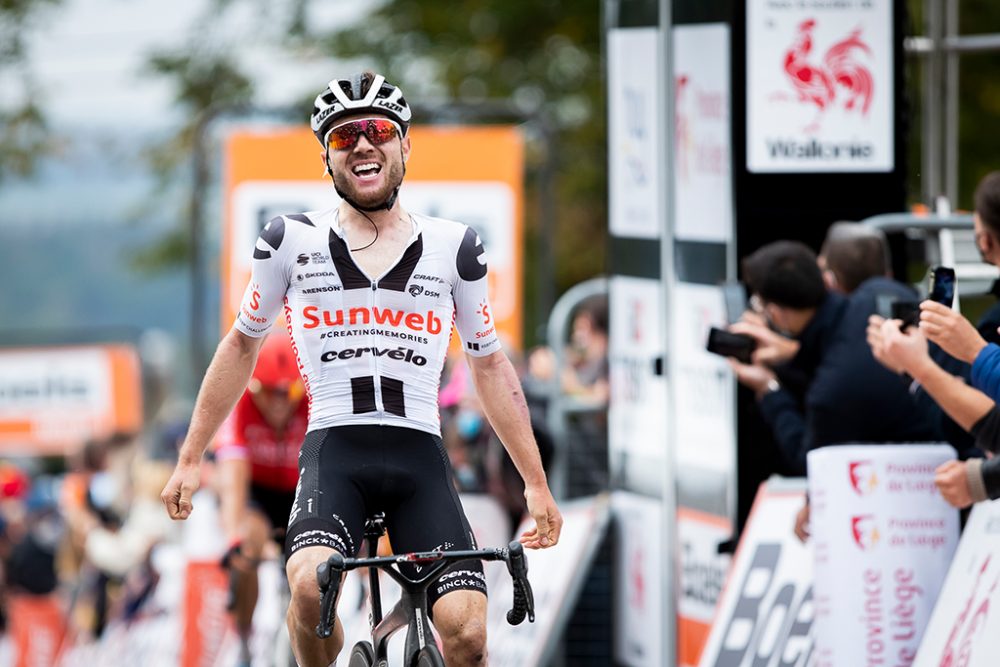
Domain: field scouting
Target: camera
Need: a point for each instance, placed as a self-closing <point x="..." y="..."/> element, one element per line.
<point x="729" y="344"/>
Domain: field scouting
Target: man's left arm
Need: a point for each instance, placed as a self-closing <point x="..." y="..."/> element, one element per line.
<point x="503" y="402"/>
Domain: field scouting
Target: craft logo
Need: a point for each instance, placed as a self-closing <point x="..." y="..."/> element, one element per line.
<point x="865" y="531"/>
<point x="864" y="480"/>
<point x="839" y="79"/>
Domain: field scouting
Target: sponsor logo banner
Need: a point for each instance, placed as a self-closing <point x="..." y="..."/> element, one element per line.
<point x="882" y="539"/>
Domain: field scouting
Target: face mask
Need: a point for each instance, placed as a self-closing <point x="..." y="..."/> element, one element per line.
<point x="103" y="490"/>
<point x="469" y="424"/>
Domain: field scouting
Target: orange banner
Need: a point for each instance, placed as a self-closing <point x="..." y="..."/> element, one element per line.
<point x="53" y="399"/>
<point x="206" y="622"/>
<point x="469" y="174"/>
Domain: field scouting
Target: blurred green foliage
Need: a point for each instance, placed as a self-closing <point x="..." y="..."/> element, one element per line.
<point x="23" y="136"/>
<point x="543" y="57"/>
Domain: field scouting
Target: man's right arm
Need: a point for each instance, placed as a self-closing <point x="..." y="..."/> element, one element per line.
<point x="224" y="382"/>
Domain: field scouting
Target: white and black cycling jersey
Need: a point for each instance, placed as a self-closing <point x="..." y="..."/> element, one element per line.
<point x="370" y="349"/>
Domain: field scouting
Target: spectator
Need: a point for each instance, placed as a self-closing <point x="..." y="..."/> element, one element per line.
<point x="961" y="483"/>
<point x="851" y="254"/>
<point x="851" y="397"/>
<point x="986" y="223"/>
<point x="586" y="374"/>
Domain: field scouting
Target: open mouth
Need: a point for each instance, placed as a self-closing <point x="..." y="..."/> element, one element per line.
<point x="366" y="171"/>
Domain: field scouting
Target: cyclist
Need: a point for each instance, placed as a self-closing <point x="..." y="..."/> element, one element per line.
<point x="370" y="292"/>
<point x="257" y="450"/>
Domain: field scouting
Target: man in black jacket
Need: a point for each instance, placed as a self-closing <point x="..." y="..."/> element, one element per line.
<point x="851" y="398"/>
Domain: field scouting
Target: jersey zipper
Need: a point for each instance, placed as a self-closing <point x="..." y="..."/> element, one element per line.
<point x="379" y="407"/>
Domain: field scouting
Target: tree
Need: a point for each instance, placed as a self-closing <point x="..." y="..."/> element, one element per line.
<point x="23" y="136"/>
<point x="543" y="56"/>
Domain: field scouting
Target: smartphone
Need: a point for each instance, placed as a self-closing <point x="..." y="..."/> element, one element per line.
<point x="907" y="311"/>
<point x="729" y="344"/>
<point x="735" y="296"/>
<point x="942" y="285"/>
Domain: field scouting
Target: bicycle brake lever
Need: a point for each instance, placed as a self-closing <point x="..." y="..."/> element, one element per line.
<point x="328" y="577"/>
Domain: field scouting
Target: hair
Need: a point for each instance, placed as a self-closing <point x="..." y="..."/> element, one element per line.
<point x="855" y="253"/>
<point x="987" y="201"/>
<point x="785" y="273"/>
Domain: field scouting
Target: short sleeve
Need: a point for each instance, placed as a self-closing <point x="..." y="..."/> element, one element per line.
<point x="269" y="280"/>
<point x="473" y="313"/>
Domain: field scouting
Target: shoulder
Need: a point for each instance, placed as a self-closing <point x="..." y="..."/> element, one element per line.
<point x="460" y="241"/>
<point x="283" y="232"/>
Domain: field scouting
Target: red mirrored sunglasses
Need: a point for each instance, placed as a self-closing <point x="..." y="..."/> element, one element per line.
<point x="377" y="130"/>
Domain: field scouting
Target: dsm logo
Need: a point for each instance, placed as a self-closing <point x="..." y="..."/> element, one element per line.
<point x="416" y="290"/>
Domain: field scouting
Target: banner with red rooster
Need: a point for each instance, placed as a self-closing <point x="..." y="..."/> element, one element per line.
<point x="819" y="86"/>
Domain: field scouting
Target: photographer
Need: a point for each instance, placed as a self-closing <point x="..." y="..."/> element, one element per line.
<point x="961" y="483"/>
<point x="851" y="397"/>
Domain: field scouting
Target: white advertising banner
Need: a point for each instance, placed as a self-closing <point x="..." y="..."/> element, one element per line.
<point x="964" y="627"/>
<point x="703" y="170"/>
<point x="638" y="621"/>
<point x="703" y="573"/>
<point x="820" y="86"/>
<point x="556" y="576"/>
<point x="636" y="421"/>
<point x="706" y="433"/>
<point x="883" y="539"/>
<point x="634" y="132"/>
<point x="767" y="607"/>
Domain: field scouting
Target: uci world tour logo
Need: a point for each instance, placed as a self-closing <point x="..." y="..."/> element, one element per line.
<point x="865" y="531"/>
<point x="840" y="78"/>
<point x="863" y="478"/>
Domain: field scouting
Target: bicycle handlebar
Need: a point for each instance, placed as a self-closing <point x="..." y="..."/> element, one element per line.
<point x="328" y="575"/>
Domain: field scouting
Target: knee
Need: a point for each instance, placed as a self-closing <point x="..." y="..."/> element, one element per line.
<point x="304" y="603"/>
<point x="466" y="637"/>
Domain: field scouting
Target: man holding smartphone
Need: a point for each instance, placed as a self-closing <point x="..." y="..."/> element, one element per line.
<point x="851" y="397"/>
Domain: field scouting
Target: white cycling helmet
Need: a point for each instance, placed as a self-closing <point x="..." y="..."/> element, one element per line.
<point x="343" y="97"/>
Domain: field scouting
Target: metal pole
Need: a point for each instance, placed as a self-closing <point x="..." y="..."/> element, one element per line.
<point x="932" y="103"/>
<point x="951" y="118"/>
<point x="547" y="223"/>
<point x="668" y="505"/>
<point x="196" y="224"/>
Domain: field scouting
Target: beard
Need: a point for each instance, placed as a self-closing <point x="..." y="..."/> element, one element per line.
<point x="393" y="179"/>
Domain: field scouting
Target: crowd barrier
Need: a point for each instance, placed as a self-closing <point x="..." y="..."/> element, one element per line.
<point x="883" y="580"/>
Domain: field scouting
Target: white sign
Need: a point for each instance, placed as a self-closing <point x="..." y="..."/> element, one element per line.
<point x="486" y="206"/>
<point x="965" y="625"/>
<point x="638" y="621"/>
<point x="636" y="422"/>
<point x="703" y="573"/>
<point x="767" y="607"/>
<point x="703" y="160"/>
<point x="820" y="86"/>
<point x="555" y="575"/>
<point x="706" y="432"/>
<point x="882" y="540"/>
<point x="634" y="132"/>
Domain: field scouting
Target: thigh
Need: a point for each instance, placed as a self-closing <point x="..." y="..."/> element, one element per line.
<point x="329" y="508"/>
<point x="430" y="516"/>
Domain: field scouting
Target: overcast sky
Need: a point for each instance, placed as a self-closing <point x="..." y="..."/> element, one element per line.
<point x="87" y="55"/>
